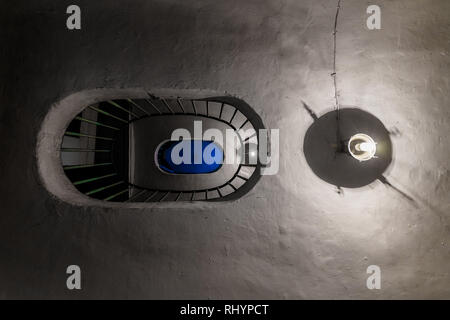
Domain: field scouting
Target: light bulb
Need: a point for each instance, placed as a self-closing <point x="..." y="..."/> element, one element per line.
<point x="366" y="146"/>
<point x="362" y="147"/>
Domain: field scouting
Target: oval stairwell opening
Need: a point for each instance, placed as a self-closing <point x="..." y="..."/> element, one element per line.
<point x="115" y="146"/>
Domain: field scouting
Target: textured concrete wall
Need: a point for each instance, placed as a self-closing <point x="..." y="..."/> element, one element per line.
<point x="292" y="236"/>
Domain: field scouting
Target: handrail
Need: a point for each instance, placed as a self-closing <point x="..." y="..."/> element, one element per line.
<point x="146" y="113"/>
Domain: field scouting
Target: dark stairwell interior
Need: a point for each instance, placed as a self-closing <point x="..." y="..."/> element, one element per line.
<point x="109" y="150"/>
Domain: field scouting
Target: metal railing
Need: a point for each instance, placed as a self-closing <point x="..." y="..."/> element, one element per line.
<point x="105" y="177"/>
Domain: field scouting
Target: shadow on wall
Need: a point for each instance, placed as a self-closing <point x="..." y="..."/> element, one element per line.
<point x="324" y="147"/>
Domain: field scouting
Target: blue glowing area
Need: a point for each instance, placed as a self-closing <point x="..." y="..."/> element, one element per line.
<point x="202" y="157"/>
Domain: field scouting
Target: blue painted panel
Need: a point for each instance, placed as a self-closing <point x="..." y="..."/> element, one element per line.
<point x="210" y="161"/>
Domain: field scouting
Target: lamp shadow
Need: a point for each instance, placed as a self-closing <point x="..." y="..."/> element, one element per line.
<point x="324" y="147"/>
